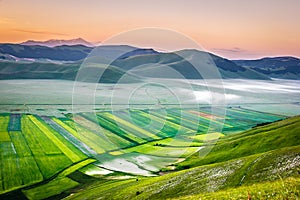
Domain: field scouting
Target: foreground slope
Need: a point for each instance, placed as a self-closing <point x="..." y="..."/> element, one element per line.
<point x="268" y="154"/>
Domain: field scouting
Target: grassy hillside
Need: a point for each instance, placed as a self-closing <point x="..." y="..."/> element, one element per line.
<point x="277" y="190"/>
<point x="199" y="180"/>
<point x="63" y="71"/>
<point x="268" y="154"/>
<point x="257" y="140"/>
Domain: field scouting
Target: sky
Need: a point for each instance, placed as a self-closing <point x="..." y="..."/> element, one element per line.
<point x="230" y="28"/>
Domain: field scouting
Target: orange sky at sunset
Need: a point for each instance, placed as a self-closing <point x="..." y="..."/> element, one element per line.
<point x="230" y="28"/>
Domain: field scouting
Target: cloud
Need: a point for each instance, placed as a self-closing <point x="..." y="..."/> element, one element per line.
<point x="232" y="50"/>
<point x="39" y="32"/>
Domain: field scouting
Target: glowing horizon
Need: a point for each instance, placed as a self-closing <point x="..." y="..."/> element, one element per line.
<point x="232" y="28"/>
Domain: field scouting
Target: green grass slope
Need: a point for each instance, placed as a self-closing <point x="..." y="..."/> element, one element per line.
<point x="257" y="140"/>
<point x="264" y="162"/>
<point x="276" y="190"/>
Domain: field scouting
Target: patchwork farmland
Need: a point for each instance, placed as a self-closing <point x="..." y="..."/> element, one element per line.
<point x="38" y="153"/>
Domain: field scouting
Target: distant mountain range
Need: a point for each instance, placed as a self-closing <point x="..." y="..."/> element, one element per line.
<point x="19" y="61"/>
<point x="55" y="42"/>
<point x="278" y="67"/>
<point x="62" y="53"/>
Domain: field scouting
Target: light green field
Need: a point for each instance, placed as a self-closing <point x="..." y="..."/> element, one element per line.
<point x="139" y="132"/>
<point x="110" y="137"/>
<point x="34" y="154"/>
<point x="163" y="150"/>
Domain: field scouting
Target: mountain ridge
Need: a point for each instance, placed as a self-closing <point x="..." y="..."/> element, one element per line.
<point x="58" y="42"/>
<point x="149" y="62"/>
<point x="275" y="67"/>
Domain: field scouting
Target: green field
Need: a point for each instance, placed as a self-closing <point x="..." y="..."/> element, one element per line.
<point x="42" y="153"/>
<point x="270" y="171"/>
<point x="34" y="154"/>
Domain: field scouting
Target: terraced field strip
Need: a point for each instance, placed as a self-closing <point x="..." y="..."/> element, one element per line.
<point x="239" y="121"/>
<point x="95" y="138"/>
<point x="131" y="117"/>
<point x="4" y="136"/>
<point x="138" y="121"/>
<point x="15" y="122"/>
<point x="76" y="167"/>
<point x="263" y="116"/>
<point x="244" y="116"/>
<point x="115" y="129"/>
<point x="142" y="120"/>
<point x="200" y="127"/>
<point x="181" y="121"/>
<point x="49" y="158"/>
<point x="130" y="127"/>
<point x="59" y="184"/>
<point x="9" y="167"/>
<point x="4" y="121"/>
<point x="206" y="118"/>
<point x="230" y="119"/>
<point x="27" y="166"/>
<point x="196" y="118"/>
<point x="18" y="167"/>
<point x="90" y="139"/>
<point x="163" y="151"/>
<point x="249" y="115"/>
<point x="95" y="128"/>
<point x="167" y="128"/>
<point x="178" y="142"/>
<point x="48" y="132"/>
<point x="78" y="146"/>
<point x="208" y="137"/>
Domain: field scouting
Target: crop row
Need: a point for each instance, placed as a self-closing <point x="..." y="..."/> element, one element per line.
<point x="32" y="154"/>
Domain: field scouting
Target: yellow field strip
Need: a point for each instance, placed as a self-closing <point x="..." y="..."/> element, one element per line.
<point x="76" y="167"/>
<point x="4" y="136"/>
<point x="144" y="132"/>
<point x="183" y="120"/>
<point x="209" y="119"/>
<point x="4" y="121"/>
<point x="80" y="137"/>
<point x="68" y="152"/>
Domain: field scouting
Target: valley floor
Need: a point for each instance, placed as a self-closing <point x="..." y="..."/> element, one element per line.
<point x="107" y="154"/>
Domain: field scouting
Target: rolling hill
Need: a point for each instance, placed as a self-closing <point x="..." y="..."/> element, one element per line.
<point x="139" y="61"/>
<point x="63" y="62"/>
<point x="278" y="67"/>
<point x="164" y="65"/>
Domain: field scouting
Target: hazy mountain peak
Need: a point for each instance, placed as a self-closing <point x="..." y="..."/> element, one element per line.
<point x="57" y="42"/>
